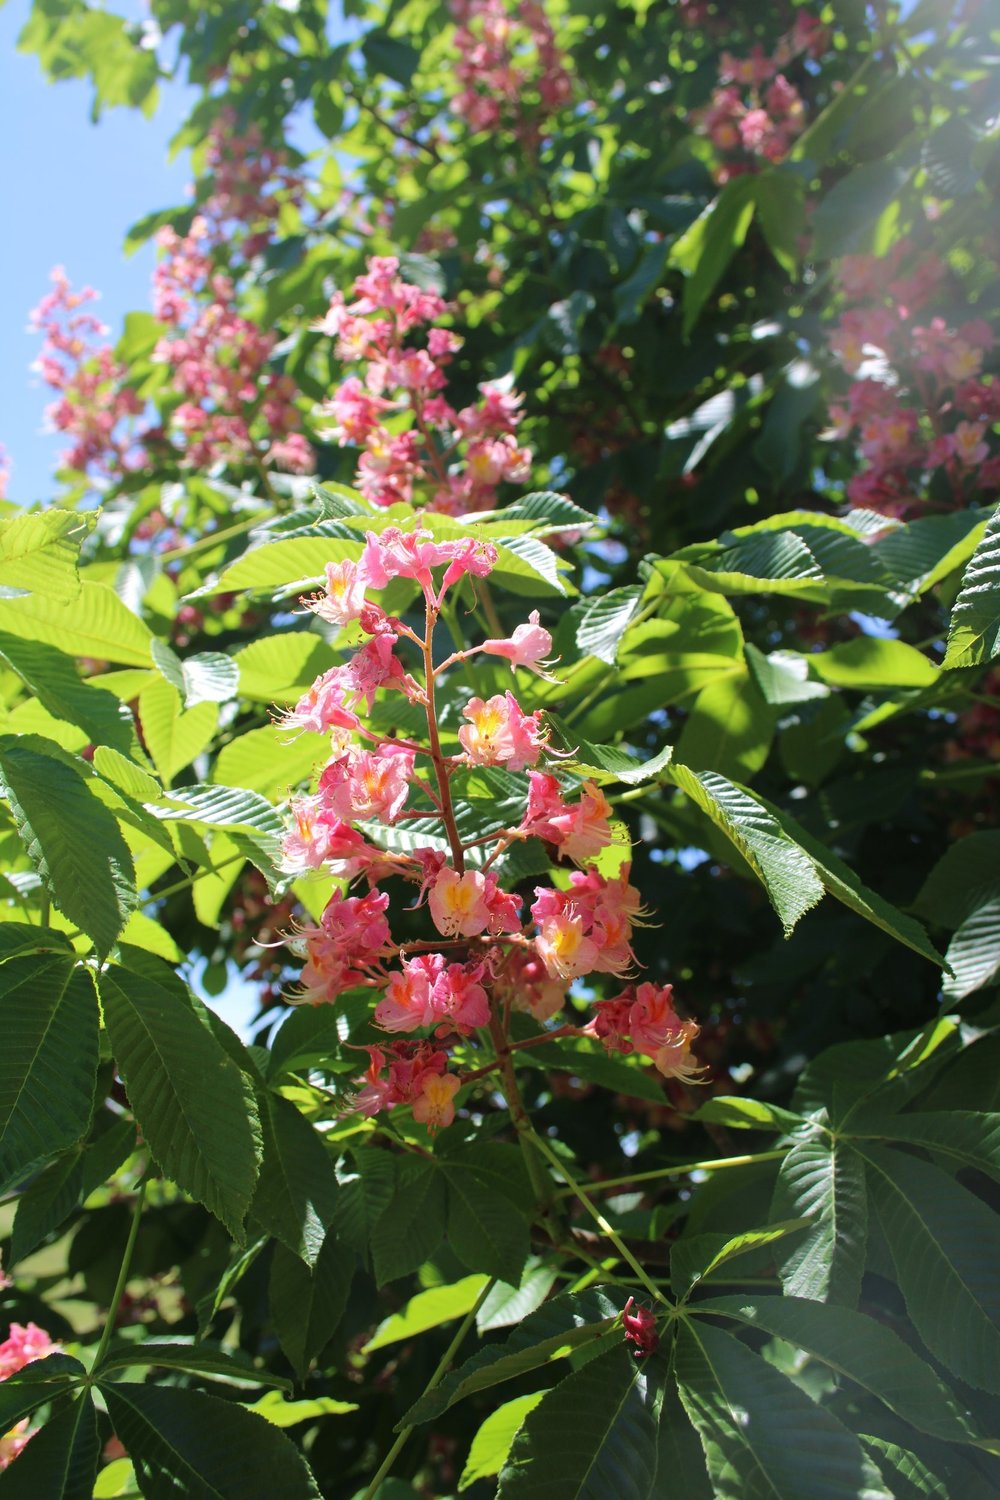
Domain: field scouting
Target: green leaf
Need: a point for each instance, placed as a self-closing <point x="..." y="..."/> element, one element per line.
<point x="548" y="510"/>
<point x="307" y="1304"/>
<point x="843" y="884"/>
<point x="784" y="869"/>
<point x="526" y="566"/>
<point x="694" y="1257"/>
<point x="281" y="1413"/>
<point x="205" y="677"/>
<point x="823" y="1181"/>
<point x="869" y="662"/>
<point x="729" y="728"/>
<point x="72" y="840"/>
<point x="853" y="204"/>
<point x="385" y="54"/>
<point x="280" y="668"/>
<point x="762" y="1435"/>
<point x="865" y="1351"/>
<point x="429" y="1309"/>
<point x="485" y="1230"/>
<point x="962" y="1137"/>
<point x="747" y="1114"/>
<point x="780" y="200"/>
<point x="966" y="875"/>
<point x="174" y="736"/>
<point x="603" y="620"/>
<point x="195" y="1359"/>
<point x="973" y="955"/>
<point x="559" y="1327"/>
<point x="295" y="562"/>
<point x="60" y="1462"/>
<point x="36" y="1384"/>
<point x="56" y="684"/>
<point x="974" y="633"/>
<point x="296" y="1197"/>
<point x="492" y="1442"/>
<point x="123" y="774"/>
<point x="40" y="552"/>
<point x="506" y="1305"/>
<point x="193" y="1104"/>
<point x="413" y="1226"/>
<point x="224" y="807"/>
<point x="945" y="1244"/>
<point x="909" y="1476"/>
<point x="588" y="1060"/>
<point x="264" y="760"/>
<point x="48" y="1061"/>
<point x="185" y="1442"/>
<point x="57" y="1191"/>
<point x="592" y="1436"/>
<point x="783" y="677"/>
<point x="21" y="937"/>
<point x="704" y="251"/>
<point x="94" y="623"/>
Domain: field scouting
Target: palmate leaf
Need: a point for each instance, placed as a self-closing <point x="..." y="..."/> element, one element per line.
<point x="173" y="735"/>
<point x="193" y="1104"/>
<point x="413" y="1225"/>
<point x="974" y="635"/>
<point x="492" y="1442"/>
<point x="296" y="1197"/>
<point x="966" y="875"/>
<point x="48" y="1061"/>
<point x="974" y="951"/>
<point x="428" y="1309"/>
<point x="56" y="1192"/>
<point x="764" y="1438"/>
<point x="583" y="1321"/>
<point x="187" y="1443"/>
<point x="823" y="1181"/>
<point x="60" y="1461"/>
<point x="307" y="1304"/>
<point x="603" y="620"/>
<point x="485" y="1229"/>
<point x="53" y="679"/>
<point x="864" y="1350"/>
<point x="960" y="1137"/>
<point x="945" y="1244"/>
<point x="786" y="872"/>
<point x="93" y="623"/>
<point x="40" y="552"/>
<point x="694" y="1257"/>
<point x="36" y="1384"/>
<point x="198" y="1359"/>
<point x="205" y="677"/>
<point x="592" y="1436"/>
<point x="72" y="840"/>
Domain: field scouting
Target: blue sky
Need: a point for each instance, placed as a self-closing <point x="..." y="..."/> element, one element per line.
<point x="72" y="190"/>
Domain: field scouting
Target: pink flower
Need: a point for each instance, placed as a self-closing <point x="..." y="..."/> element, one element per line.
<point x="967" y="443"/>
<point x="369" y="784"/>
<point x="527" y="647"/>
<point x="652" y="1018"/>
<point x="525" y="982"/>
<point x="435" y="1104"/>
<point x="564" y="947"/>
<point x="500" y="733"/>
<point x="580" y="830"/>
<point x="409" y="1000"/>
<point x="345" y="594"/>
<point x="459" y="904"/>
<point x="25" y="1342"/>
<point x="322" y="707"/>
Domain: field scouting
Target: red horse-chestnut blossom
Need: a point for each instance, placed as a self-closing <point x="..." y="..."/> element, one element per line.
<point x="484" y="956"/>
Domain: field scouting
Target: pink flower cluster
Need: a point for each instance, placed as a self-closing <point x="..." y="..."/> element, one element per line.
<point x="643" y="1019"/>
<point x="233" y="407"/>
<point x="486" y="956"/>
<point x="24" y="1343"/>
<point x="94" y="405"/>
<point x="415" y="446"/>
<point x="756" y="113"/>
<point x="508" y="59"/>
<point x="918" y="407"/>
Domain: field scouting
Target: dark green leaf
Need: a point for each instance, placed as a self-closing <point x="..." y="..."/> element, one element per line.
<point x="48" y="1062"/>
<point x="296" y="1197"/>
<point x="974" y="636"/>
<point x="946" y="1247"/>
<point x="823" y="1181"/>
<point x="307" y="1305"/>
<point x="591" y="1437"/>
<point x="35" y="1385"/>
<point x="187" y="1443"/>
<point x="764" y="1438"/>
<point x="413" y="1226"/>
<point x="60" y="1462"/>
<point x="73" y="841"/>
<point x="193" y="1104"/>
